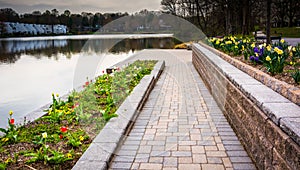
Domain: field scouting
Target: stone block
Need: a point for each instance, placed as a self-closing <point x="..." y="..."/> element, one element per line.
<point x="291" y="126"/>
<point x="276" y="111"/>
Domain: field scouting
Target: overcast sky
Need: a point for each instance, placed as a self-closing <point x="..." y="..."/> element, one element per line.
<point x="78" y="6"/>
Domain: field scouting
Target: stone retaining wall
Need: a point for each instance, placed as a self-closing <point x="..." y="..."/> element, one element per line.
<point x="266" y="123"/>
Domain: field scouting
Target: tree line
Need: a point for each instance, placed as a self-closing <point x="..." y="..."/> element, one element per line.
<point x="77" y="23"/>
<point x="217" y="17"/>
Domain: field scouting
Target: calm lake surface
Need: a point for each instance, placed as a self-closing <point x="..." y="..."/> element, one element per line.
<point x="32" y="69"/>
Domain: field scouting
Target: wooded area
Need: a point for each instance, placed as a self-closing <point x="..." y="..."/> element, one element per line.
<point x="218" y="17"/>
<point x="213" y="17"/>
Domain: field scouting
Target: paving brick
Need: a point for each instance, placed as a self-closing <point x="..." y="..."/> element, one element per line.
<point x="150" y="166"/>
<point x="199" y="158"/>
<point x="145" y="149"/>
<point x="244" y="166"/>
<point x="160" y="153"/>
<point x="198" y="149"/>
<point x="170" y="162"/>
<point x="156" y="159"/>
<point x="216" y="153"/>
<point x="189" y="166"/>
<point x="121" y="165"/>
<point x="212" y="166"/>
<point x="181" y="153"/>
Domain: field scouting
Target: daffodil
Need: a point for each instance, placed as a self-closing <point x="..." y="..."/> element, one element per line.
<point x="228" y="42"/>
<point x="294" y="49"/>
<point x="4" y="140"/>
<point x="44" y="135"/>
<point x="291" y="63"/>
<point x="217" y="42"/>
<point x="11" y="112"/>
<point x="268" y="58"/>
<point x="252" y="45"/>
<point x="57" y="95"/>
<point x="243" y="48"/>
<point x="269" y="48"/>
<point x="69" y="155"/>
<point x="81" y="138"/>
<point x="278" y="51"/>
<point x="282" y="41"/>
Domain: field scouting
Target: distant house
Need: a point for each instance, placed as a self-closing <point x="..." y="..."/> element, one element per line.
<point x="11" y="28"/>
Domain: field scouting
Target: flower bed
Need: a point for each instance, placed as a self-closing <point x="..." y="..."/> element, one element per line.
<point x="275" y="59"/>
<point x="58" y="139"/>
<point x="276" y="66"/>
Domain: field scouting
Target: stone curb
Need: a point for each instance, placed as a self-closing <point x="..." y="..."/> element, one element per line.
<point x="284" y="113"/>
<point x="289" y="91"/>
<point x="103" y="147"/>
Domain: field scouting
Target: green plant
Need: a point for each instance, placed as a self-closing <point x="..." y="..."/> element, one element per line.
<point x="11" y="134"/>
<point x="296" y="76"/>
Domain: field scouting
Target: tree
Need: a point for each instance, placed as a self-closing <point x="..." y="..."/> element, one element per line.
<point x="169" y="6"/>
<point x="268" y="27"/>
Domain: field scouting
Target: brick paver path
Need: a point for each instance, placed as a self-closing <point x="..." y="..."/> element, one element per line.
<point x="180" y="126"/>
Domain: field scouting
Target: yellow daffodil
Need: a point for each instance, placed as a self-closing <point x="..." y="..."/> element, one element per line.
<point x="217" y="42"/>
<point x="252" y="45"/>
<point x="57" y="95"/>
<point x="278" y="51"/>
<point x="282" y="41"/>
<point x="11" y="112"/>
<point x="294" y="49"/>
<point x="228" y="42"/>
<point x="4" y="140"/>
<point x="268" y="58"/>
<point x="244" y="41"/>
<point x="264" y="44"/>
<point x="290" y="48"/>
<point x="291" y="63"/>
<point x="44" y="135"/>
<point x="236" y="47"/>
<point x="291" y="54"/>
<point x="243" y="48"/>
<point x="69" y="155"/>
<point x="269" y="48"/>
<point x="81" y="138"/>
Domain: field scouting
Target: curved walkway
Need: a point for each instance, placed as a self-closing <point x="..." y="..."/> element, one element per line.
<point x="180" y="126"/>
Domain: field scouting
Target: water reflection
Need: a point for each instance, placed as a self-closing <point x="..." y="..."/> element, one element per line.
<point x="10" y="51"/>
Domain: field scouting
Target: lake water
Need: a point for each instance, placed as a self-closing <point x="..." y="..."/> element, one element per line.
<point x="32" y="69"/>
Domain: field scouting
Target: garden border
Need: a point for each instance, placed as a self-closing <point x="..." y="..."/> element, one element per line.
<point x="289" y="91"/>
<point x="264" y="121"/>
<point x="103" y="147"/>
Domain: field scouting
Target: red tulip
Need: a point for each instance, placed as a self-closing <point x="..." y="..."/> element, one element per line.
<point x="87" y="83"/>
<point x="63" y="129"/>
<point x="12" y="121"/>
<point x="60" y="136"/>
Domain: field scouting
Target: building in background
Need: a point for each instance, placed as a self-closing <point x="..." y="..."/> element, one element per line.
<point x="15" y="28"/>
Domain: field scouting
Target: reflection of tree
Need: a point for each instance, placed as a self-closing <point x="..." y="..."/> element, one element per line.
<point x="10" y="51"/>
